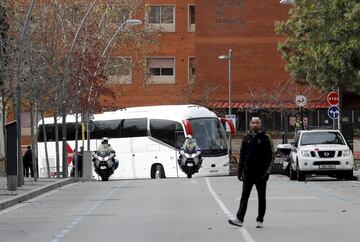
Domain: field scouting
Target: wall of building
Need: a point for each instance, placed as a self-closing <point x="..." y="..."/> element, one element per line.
<point x="247" y="27"/>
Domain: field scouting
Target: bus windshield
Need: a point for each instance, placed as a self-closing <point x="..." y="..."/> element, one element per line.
<point x="210" y="136"/>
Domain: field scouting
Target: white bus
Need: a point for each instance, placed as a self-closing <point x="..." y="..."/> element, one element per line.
<point x="147" y="139"/>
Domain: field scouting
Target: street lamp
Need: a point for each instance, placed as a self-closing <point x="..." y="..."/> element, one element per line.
<point x="129" y="22"/>
<point x="287" y="1"/>
<point x="228" y="57"/>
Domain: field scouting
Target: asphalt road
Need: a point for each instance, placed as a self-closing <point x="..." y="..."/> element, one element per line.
<point x="186" y="210"/>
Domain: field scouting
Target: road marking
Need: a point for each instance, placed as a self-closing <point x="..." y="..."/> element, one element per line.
<point x="285" y="198"/>
<point x="78" y="219"/>
<point x="25" y="203"/>
<point x="226" y="211"/>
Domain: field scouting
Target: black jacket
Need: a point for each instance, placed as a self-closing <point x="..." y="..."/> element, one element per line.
<point x="27" y="159"/>
<point x="256" y="156"/>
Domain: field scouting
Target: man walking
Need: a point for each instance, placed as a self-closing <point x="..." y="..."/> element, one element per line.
<point x="256" y="157"/>
<point x="28" y="163"/>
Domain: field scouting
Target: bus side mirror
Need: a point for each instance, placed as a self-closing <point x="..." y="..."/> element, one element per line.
<point x="188" y="127"/>
<point x="225" y="121"/>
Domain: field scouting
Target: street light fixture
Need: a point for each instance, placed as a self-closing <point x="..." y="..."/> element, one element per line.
<point x="228" y="57"/>
<point x="129" y="22"/>
<point x="133" y="22"/>
<point x="287" y="2"/>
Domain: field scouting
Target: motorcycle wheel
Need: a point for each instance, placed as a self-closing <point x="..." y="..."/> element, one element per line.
<point x="189" y="175"/>
<point x="104" y="178"/>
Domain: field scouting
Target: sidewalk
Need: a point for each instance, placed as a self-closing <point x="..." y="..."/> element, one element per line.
<point x="357" y="174"/>
<point x="28" y="191"/>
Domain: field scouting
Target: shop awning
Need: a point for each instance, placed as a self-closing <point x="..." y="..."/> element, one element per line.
<point x="253" y="104"/>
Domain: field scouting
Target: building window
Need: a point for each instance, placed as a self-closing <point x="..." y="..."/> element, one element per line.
<point x="192" y="70"/>
<point x="119" y="70"/>
<point x="161" y="17"/>
<point x="191" y="18"/>
<point x="161" y="70"/>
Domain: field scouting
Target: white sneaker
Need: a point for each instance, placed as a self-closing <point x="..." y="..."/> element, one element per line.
<point x="260" y="225"/>
<point x="235" y="222"/>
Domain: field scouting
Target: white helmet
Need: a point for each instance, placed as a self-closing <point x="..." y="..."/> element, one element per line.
<point x="105" y="140"/>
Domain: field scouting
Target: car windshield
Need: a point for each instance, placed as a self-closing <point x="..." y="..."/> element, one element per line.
<point x="318" y="138"/>
<point x="210" y="136"/>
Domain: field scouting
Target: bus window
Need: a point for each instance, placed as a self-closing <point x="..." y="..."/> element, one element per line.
<point x="109" y="129"/>
<point x="134" y="128"/>
<point x="169" y="132"/>
<point x="50" y="132"/>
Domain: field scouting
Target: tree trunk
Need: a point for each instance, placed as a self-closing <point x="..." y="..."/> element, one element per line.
<point x="33" y="139"/>
<point x="45" y="142"/>
<point x="57" y="146"/>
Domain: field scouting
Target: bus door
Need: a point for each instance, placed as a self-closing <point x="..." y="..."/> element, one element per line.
<point x="139" y="164"/>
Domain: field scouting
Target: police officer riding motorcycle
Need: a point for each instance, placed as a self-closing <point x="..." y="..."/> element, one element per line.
<point x="104" y="160"/>
<point x="190" y="159"/>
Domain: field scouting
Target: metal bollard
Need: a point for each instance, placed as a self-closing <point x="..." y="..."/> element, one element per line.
<point x="87" y="165"/>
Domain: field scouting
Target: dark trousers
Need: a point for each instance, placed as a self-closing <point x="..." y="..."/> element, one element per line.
<point x="261" y="190"/>
<point x="27" y="169"/>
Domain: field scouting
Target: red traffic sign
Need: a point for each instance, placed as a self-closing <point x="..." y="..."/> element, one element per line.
<point x="333" y="98"/>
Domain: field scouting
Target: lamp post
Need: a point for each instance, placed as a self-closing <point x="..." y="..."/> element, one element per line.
<point x="228" y="57"/>
<point x="287" y="2"/>
<point x="129" y="22"/>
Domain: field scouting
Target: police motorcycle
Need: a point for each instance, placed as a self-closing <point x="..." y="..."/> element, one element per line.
<point x="104" y="160"/>
<point x="190" y="159"/>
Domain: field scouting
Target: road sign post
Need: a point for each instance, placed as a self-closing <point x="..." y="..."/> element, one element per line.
<point x="333" y="98"/>
<point x="333" y="112"/>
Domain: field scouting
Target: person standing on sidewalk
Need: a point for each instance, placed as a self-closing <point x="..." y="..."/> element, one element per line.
<point x="28" y="163"/>
<point x="256" y="157"/>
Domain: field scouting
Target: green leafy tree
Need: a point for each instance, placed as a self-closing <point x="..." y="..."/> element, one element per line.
<point x="322" y="45"/>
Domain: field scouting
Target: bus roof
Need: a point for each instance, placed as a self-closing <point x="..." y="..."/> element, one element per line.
<point x="168" y="112"/>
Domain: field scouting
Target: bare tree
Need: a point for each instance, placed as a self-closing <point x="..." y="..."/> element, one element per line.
<point x="281" y="99"/>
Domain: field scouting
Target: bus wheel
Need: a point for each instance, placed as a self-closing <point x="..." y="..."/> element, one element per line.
<point x="158" y="172"/>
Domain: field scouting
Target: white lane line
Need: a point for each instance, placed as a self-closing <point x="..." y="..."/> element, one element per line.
<point x="78" y="219"/>
<point x="226" y="211"/>
<point x="285" y="198"/>
<point x="26" y="203"/>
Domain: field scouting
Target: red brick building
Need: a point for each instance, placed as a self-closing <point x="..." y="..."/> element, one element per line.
<point x="193" y="34"/>
<point x="185" y="67"/>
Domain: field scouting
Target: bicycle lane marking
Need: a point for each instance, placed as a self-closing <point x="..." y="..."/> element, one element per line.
<point x="246" y="235"/>
<point x="78" y="219"/>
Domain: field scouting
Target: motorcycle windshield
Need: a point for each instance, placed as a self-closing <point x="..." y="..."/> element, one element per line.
<point x="103" y="151"/>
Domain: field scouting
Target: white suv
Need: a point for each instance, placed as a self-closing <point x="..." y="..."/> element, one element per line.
<point x="320" y="152"/>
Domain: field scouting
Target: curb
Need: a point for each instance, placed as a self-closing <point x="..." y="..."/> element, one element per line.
<point x="34" y="193"/>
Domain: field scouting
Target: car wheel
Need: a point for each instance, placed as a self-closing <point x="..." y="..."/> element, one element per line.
<point x="292" y="174"/>
<point x="349" y="175"/>
<point x="300" y="175"/>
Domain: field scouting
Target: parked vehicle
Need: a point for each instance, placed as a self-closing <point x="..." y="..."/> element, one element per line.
<point x="321" y="152"/>
<point x="282" y="159"/>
